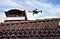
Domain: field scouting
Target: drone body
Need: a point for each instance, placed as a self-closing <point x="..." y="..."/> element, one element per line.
<point x="35" y="11"/>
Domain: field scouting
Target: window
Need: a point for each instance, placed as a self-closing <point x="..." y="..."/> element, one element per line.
<point x="31" y="22"/>
<point x="39" y="21"/>
<point x="22" y="23"/>
<point x="43" y="21"/>
<point x="47" y="21"/>
<point x="7" y="24"/>
<point x="55" y="20"/>
<point x="17" y="23"/>
<point x="12" y="24"/>
<point x="35" y="22"/>
<point x="1" y="24"/>
<point x="26" y="22"/>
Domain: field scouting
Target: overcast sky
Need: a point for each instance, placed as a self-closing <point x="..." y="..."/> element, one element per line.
<point x="50" y="8"/>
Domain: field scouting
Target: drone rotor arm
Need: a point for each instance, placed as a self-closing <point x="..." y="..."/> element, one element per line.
<point x="40" y="11"/>
<point x="30" y="11"/>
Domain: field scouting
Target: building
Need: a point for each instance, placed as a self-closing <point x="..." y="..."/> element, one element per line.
<point x="17" y="26"/>
<point x="15" y="15"/>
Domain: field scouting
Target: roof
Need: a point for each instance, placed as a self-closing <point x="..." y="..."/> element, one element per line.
<point x="14" y="11"/>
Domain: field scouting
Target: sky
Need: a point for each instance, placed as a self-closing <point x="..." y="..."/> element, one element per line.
<point x="50" y="8"/>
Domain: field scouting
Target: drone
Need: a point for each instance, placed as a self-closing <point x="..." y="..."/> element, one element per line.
<point x="35" y="11"/>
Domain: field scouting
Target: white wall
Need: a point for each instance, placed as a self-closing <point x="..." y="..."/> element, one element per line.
<point x="14" y="18"/>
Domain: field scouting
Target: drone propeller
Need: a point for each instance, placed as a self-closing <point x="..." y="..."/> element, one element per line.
<point x="40" y="11"/>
